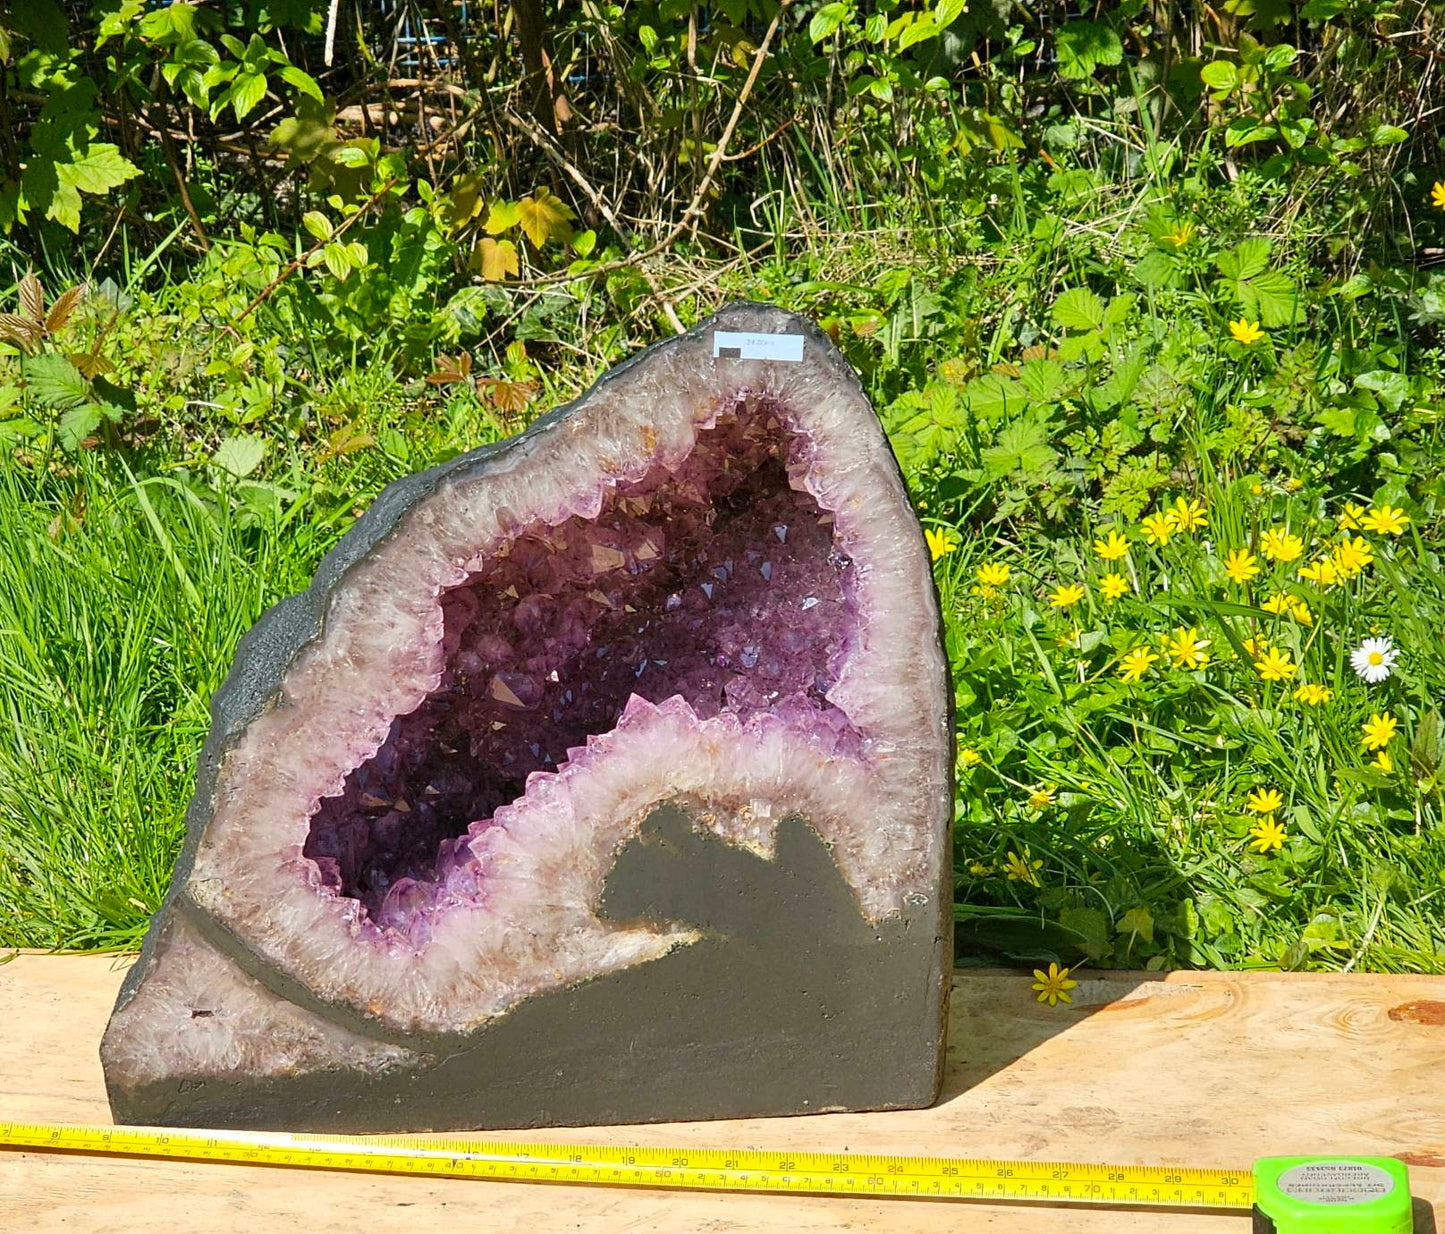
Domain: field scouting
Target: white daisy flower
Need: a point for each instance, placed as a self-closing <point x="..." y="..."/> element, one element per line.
<point x="1374" y="659"/>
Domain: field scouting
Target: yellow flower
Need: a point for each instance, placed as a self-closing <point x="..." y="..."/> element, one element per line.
<point x="1352" y="556"/>
<point x="1066" y="595"/>
<point x="1114" y="585"/>
<point x="1181" y="235"/>
<point x="1070" y="638"/>
<point x="1275" y="665"/>
<point x="1312" y="695"/>
<point x="1294" y="484"/>
<point x="1134" y="664"/>
<point x="1042" y="798"/>
<point x="1264" y="800"/>
<point x="969" y="757"/>
<point x="1255" y="646"/>
<point x="1437" y="194"/>
<point x="1186" y="648"/>
<point x="1378" y="731"/>
<point x="940" y="543"/>
<point x="1323" y="573"/>
<point x="1277" y="603"/>
<point x="1268" y="835"/>
<point x="1300" y="611"/>
<point x="1383" y="762"/>
<point x="1053" y="986"/>
<point x="1350" y="516"/>
<point x="1281" y="544"/>
<point x="993" y="574"/>
<point x="1241" y="565"/>
<point x="1385" y="520"/>
<point x="1246" y="332"/>
<point x="1158" y="528"/>
<point x="987" y="593"/>
<point x="1257" y="489"/>
<point x="1112" y="547"/>
<point x="1188" y="515"/>
<point x="1023" y="869"/>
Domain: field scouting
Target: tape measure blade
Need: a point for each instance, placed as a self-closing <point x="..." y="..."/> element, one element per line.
<point x="718" y="1169"/>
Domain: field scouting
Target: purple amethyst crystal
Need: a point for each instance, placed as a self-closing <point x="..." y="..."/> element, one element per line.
<point x="631" y="729"/>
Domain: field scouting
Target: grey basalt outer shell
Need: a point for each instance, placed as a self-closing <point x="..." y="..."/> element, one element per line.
<point x="797" y="1005"/>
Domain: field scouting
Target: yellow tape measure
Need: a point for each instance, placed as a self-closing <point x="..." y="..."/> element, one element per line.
<point x="711" y="1169"/>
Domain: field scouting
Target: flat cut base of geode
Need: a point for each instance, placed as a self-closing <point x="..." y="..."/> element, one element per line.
<point x="787" y="1002"/>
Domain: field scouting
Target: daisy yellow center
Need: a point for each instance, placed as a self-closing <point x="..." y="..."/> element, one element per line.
<point x="1376" y="658"/>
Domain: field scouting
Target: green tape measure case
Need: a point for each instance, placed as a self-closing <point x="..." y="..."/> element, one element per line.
<point x="1331" y="1195"/>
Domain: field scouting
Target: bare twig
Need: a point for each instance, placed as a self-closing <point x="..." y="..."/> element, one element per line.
<point x="694" y="207"/>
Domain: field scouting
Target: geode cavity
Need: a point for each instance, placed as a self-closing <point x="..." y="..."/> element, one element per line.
<point x="601" y="775"/>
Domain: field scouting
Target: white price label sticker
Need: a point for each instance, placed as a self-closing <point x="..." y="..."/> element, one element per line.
<point x="741" y="345"/>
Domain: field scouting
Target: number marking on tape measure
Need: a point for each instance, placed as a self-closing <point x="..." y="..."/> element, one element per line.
<point x="716" y="1169"/>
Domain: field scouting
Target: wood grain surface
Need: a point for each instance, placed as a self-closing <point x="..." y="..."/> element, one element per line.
<point x="1189" y="1068"/>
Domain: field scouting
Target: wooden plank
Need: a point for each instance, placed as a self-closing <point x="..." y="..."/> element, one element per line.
<point x="1188" y="1068"/>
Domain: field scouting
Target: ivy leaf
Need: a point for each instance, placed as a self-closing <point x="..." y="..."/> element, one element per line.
<point x="77" y="424"/>
<point x="1084" y="45"/>
<point x="240" y="454"/>
<point x="1079" y="309"/>
<point x="544" y="217"/>
<point x="55" y="381"/>
<point x="99" y="168"/>
<point x="496" y="259"/>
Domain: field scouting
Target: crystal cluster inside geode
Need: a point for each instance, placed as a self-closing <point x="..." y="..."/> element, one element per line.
<point x="700" y="588"/>
<point x="713" y="581"/>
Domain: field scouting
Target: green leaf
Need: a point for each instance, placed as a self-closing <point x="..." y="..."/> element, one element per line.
<point x="304" y="82"/>
<point x="826" y="20"/>
<point x="1084" y="45"/>
<point x="1244" y="260"/>
<point x="502" y="216"/>
<point x="77" y="424"/>
<point x="946" y="12"/>
<point x="1157" y="270"/>
<point x="1139" y="923"/>
<point x="317" y="224"/>
<point x="1022" y="446"/>
<point x="1079" y="309"/>
<point x="1092" y="927"/>
<point x="337" y="261"/>
<point x="97" y="169"/>
<point x="1271" y="298"/>
<point x="1045" y="380"/>
<point x="55" y="381"/>
<point x="1219" y="75"/>
<point x="240" y="454"/>
<point x="918" y="32"/>
<point x="246" y="91"/>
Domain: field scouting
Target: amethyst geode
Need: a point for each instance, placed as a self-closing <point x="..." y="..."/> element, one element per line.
<point x="601" y="775"/>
